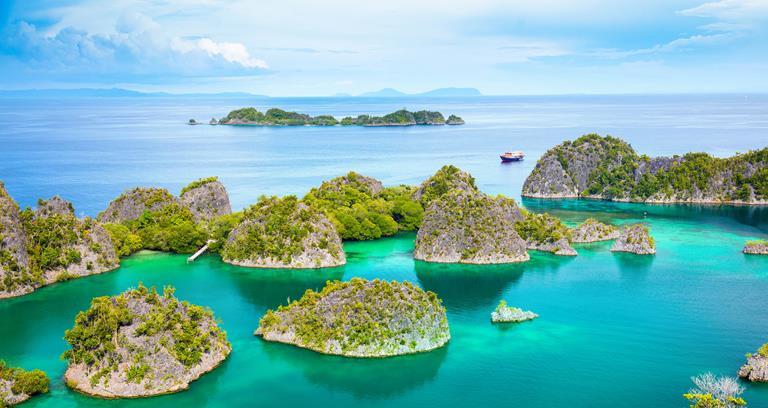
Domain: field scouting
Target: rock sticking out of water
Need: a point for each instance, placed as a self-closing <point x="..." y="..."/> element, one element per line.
<point x="508" y="314"/>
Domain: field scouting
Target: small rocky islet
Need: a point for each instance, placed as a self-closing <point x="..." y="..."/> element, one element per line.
<point x="592" y="230"/>
<point x="142" y="343"/>
<point x="756" y="368"/>
<point x="361" y="318"/>
<point x="18" y="385"/>
<point x="608" y="168"/>
<point x="635" y="239"/>
<point x="508" y="314"/>
<point x="279" y="117"/>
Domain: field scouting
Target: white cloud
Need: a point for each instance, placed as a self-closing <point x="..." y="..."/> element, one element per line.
<point x="137" y="45"/>
<point x="730" y="10"/>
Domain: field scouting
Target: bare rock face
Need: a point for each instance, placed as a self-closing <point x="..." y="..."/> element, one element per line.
<point x="206" y="198"/>
<point x="635" y="239"/>
<point x="550" y="179"/>
<point x="15" y="276"/>
<point x="284" y="233"/>
<point x="56" y="205"/>
<point x="361" y="318"/>
<point x="470" y="227"/>
<point x="508" y="314"/>
<point x="444" y="180"/>
<point x="592" y="230"/>
<point x="756" y="368"/>
<point x="131" y="204"/>
<point x="759" y="247"/>
<point x="140" y="344"/>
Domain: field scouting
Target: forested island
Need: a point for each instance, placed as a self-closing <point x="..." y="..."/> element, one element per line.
<point x="142" y="343"/>
<point x="360" y="318"/>
<point x="279" y="117"/>
<point x="456" y="223"/>
<point x="608" y="168"/>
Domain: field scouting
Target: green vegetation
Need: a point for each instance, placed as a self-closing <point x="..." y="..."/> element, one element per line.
<point x="276" y="117"/>
<point x="757" y="243"/>
<point x="197" y="183"/>
<point x="763" y="350"/>
<point x="276" y="228"/>
<point x="444" y="180"/>
<point x="541" y="228"/>
<point x="360" y="212"/>
<point x="171" y="228"/>
<point x="97" y="341"/>
<point x="279" y="117"/>
<point x="360" y="314"/>
<point x="24" y="382"/>
<point x="680" y="177"/>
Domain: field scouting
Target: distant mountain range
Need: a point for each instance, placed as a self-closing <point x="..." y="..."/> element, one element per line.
<point x="435" y="93"/>
<point x="127" y="93"/>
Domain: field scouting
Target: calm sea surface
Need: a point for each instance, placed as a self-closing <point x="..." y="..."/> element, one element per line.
<point x="615" y="330"/>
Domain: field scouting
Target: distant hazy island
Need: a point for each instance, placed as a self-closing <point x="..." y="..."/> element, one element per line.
<point x="279" y="117"/>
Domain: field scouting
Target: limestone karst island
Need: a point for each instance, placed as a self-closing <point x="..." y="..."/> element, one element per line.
<point x="234" y="204"/>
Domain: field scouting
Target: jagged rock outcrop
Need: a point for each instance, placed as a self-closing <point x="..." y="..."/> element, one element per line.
<point x="470" y="227"/>
<point x="756" y="368"/>
<point x="207" y="199"/>
<point x="759" y="247"/>
<point x="608" y="168"/>
<point x="56" y="205"/>
<point x="18" y="385"/>
<point x="141" y="343"/>
<point x="132" y="203"/>
<point x="543" y="232"/>
<point x="635" y="239"/>
<point x="592" y="230"/>
<point x="284" y="233"/>
<point x="508" y="314"/>
<point x="15" y="276"/>
<point x="444" y="180"/>
<point x="361" y="318"/>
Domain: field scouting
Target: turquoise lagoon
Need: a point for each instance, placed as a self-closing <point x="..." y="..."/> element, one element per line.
<point x="616" y="330"/>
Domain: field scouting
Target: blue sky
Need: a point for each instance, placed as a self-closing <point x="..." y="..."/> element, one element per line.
<point x="305" y="48"/>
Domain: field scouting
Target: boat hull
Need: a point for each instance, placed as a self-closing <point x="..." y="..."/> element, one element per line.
<point x="510" y="159"/>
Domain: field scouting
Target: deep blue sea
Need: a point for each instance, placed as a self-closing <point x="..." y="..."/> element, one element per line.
<point x="90" y="150"/>
<point x="615" y="330"/>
